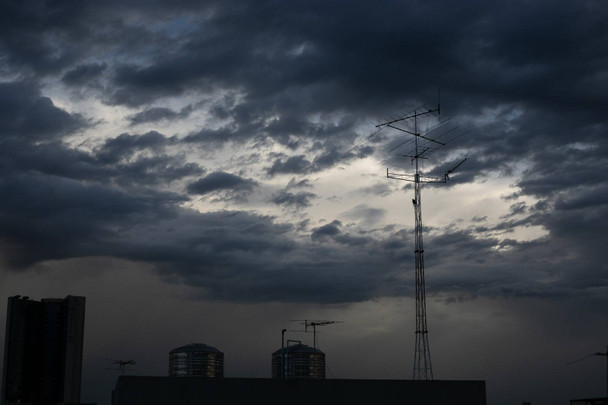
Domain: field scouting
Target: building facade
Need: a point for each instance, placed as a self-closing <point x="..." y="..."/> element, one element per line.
<point x="299" y="361"/>
<point x="43" y="351"/>
<point x="140" y="390"/>
<point x="196" y="360"/>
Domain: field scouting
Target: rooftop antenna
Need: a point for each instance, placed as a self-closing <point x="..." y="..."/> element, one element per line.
<point x="313" y="323"/>
<point x="423" y="146"/>
<point x="122" y="364"/>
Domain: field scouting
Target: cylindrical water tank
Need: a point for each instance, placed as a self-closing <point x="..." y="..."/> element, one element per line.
<point x="196" y="360"/>
<point x="300" y="361"/>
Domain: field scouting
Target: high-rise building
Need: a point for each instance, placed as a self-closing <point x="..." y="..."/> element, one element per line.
<point x="196" y="360"/>
<point x="43" y="351"/>
<point x="299" y="361"/>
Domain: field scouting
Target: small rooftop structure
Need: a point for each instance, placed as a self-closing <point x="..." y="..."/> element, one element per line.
<point x="196" y="360"/>
<point x="300" y="361"/>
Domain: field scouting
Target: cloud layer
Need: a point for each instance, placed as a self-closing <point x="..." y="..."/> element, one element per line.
<point x="304" y="77"/>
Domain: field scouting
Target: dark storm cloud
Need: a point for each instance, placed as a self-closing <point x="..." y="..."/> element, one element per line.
<point x="113" y="162"/>
<point x="61" y="202"/>
<point x="48" y="217"/>
<point x="83" y="74"/>
<point x="300" y="83"/>
<point x="331" y="229"/>
<point x="285" y="56"/>
<point x="294" y="199"/>
<point x="292" y="62"/>
<point x="526" y="80"/>
<point x="156" y="170"/>
<point x="42" y="36"/>
<point x="267" y="48"/>
<point x="301" y="165"/>
<point x="334" y="156"/>
<point x="589" y="198"/>
<point x="229" y="255"/>
<point x="297" y="200"/>
<point x="159" y="114"/>
<point x="142" y="159"/>
<point x="53" y="159"/>
<point x="125" y="145"/>
<point x="220" y="181"/>
<point x="26" y="114"/>
<point x="294" y="164"/>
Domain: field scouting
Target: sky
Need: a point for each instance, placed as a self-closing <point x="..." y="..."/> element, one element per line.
<point x="208" y="171"/>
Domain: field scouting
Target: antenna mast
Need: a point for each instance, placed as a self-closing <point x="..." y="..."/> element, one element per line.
<point x="121" y="365"/>
<point x="314" y="323"/>
<point x="423" y="369"/>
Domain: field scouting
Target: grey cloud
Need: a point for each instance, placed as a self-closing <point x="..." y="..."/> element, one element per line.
<point x="509" y="197"/>
<point x="516" y="209"/>
<point x="229" y="255"/>
<point x="40" y="47"/>
<point x="158" y="114"/>
<point x="479" y="219"/>
<point x="331" y="229"/>
<point x="366" y="215"/>
<point x="295" y="164"/>
<point x="220" y="181"/>
<point x="234" y="49"/>
<point x="58" y="160"/>
<point x="526" y="79"/>
<point x="49" y="217"/>
<point x="125" y="145"/>
<point x="83" y="74"/>
<point x="353" y="241"/>
<point x="24" y="113"/>
<point x="219" y="136"/>
<point x="299" y="164"/>
<point x="54" y="159"/>
<point x="156" y="170"/>
<point x="380" y="189"/>
<point x="587" y="199"/>
<point x="293" y="183"/>
<point x="297" y="200"/>
<point x="334" y="156"/>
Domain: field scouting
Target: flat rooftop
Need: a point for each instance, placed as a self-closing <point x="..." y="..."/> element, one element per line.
<point x="137" y="390"/>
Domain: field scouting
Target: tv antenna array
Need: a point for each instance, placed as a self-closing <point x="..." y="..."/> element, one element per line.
<point x="313" y="323"/>
<point x="421" y="147"/>
<point x="122" y="364"/>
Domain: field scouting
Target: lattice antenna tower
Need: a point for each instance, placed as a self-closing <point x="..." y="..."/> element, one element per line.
<point x="423" y="146"/>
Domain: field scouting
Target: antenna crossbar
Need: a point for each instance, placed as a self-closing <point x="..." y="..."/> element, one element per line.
<point x="416" y="134"/>
<point x="419" y="178"/>
<point x="408" y="117"/>
<point x="412" y="178"/>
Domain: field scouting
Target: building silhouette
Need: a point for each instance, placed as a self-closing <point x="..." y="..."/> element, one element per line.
<point x="146" y="390"/>
<point x="196" y="360"/>
<point x="299" y="361"/>
<point x="43" y="351"/>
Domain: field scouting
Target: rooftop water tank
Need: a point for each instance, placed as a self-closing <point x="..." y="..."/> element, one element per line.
<point x="196" y="360"/>
<point x="300" y="361"/>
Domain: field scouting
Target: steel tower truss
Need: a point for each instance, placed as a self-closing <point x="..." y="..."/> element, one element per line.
<point x="423" y="369"/>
